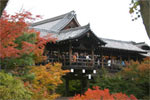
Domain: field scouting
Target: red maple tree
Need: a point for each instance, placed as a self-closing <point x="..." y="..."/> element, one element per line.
<point x="14" y="26"/>
<point x="98" y="94"/>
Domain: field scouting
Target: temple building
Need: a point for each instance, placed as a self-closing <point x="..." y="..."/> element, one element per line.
<point x="145" y="47"/>
<point x="81" y="51"/>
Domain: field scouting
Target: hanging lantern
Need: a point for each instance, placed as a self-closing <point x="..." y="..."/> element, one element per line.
<point x="72" y="70"/>
<point x="83" y="70"/>
<point x="89" y="76"/>
<point x="94" y="71"/>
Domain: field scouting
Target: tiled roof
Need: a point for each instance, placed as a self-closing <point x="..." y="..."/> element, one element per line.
<point x="65" y="34"/>
<point x="68" y="34"/>
<point x="146" y="55"/>
<point x="121" y="45"/>
<point x="140" y="45"/>
<point x="55" y="24"/>
<point x="71" y="33"/>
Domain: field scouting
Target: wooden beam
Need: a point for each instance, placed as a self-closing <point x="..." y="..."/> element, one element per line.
<point x="111" y="59"/>
<point x="82" y="85"/>
<point x="67" y="87"/>
<point x="128" y="58"/>
<point x="120" y="58"/>
<point x="137" y="58"/>
<point x="88" y="83"/>
<point x="93" y="62"/>
<point x="102" y="59"/>
<point x="59" y="54"/>
<point x="70" y="53"/>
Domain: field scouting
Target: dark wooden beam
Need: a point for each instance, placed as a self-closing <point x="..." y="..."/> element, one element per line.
<point x="128" y="58"/>
<point x="59" y="55"/>
<point x="102" y="59"/>
<point x="92" y="51"/>
<point x="70" y="53"/>
<point x="67" y="87"/>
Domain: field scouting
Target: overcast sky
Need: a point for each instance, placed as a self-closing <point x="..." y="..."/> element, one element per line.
<point x="107" y="18"/>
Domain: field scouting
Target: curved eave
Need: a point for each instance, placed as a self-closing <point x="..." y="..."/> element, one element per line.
<point x="125" y="50"/>
<point x="76" y="37"/>
<point x="101" y="41"/>
<point x="84" y="33"/>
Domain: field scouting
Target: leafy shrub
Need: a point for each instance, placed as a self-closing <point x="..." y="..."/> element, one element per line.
<point x="98" y="94"/>
<point x="133" y="79"/>
<point x="47" y="78"/>
<point x="74" y="88"/>
<point x="12" y="88"/>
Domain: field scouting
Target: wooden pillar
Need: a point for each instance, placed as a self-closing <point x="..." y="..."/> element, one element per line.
<point x="120" y="58"/>
<point x="111" y="60"/>
<point x="83" y="85"/>
<point x="137" y="58"/>
<point x="111" y="57"/>
<point x="70" y="53"/>
<point x="140" y="60"/>
<point x="67" y="87"/>
<point x="128" y="58"/>
<point x="93" y="61"/>
<point x="102" y="59"/>
<point x="59" y="57"/>
<point x="88" y="84"/>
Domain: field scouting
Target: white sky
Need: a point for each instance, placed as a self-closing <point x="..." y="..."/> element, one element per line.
<point x="107" y="18"/>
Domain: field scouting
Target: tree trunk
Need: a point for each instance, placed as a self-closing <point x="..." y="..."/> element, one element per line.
<point x="145" y="12"/>
<point x="3" y="4"/>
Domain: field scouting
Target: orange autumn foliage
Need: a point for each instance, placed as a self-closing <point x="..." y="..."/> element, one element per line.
<point x="136" y="70"/>
<point x="47" y="78"/>
<point x="98" y="94"/>
<point x="14" y="26"/>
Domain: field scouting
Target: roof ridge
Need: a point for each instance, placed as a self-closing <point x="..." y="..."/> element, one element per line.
<point x="140" y="43"/>
<point x="53" y="18"/>
<point x="116" y="40"/>
<point x="44" y="30"/>
<point x="129" y="43"/>
<point x="76" y="28"/>
<point x="68" y="16"/>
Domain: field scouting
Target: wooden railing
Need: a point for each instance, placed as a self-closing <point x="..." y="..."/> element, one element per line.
<point x="83" y="62"/>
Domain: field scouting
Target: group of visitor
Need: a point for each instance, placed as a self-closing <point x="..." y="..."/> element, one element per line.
<point x="81" y="56"/>
<point x="110" y="62"/>
<point x="85" y="58"/>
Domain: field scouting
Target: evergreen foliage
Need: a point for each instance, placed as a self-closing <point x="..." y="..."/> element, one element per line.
<point x="133" y="79"/>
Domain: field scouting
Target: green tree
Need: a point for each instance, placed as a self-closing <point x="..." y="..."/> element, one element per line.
<point x="20" y="46"/>
<point x="25" y="59"/>
<point x="133" y="79"/>
<point x="12" y="88"/>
